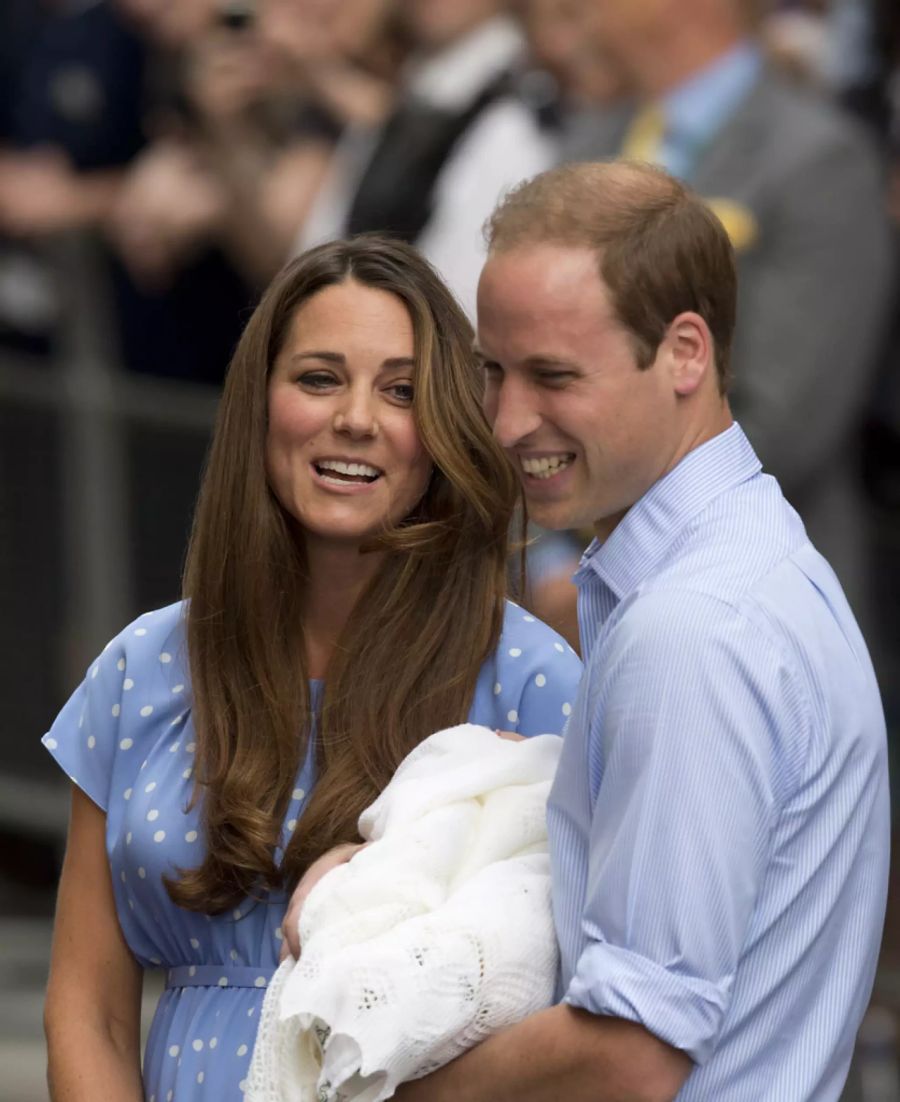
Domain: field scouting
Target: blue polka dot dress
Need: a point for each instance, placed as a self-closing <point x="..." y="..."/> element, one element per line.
<point x="127" y="739"/>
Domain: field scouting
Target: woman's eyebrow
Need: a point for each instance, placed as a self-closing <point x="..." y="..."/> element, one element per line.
<point x="328" y="357"/>
<point x="338" y="358"/>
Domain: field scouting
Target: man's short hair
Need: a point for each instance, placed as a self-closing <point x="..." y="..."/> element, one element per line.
<point x="660" y="250"/>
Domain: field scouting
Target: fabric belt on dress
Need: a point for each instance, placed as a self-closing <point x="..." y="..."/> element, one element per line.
<point x="218" y="975"/>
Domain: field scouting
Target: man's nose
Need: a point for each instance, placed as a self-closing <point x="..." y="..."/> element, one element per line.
<point x="512" y="411"/>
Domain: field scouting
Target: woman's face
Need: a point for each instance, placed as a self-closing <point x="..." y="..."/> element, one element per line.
<point x="343" y="455"/>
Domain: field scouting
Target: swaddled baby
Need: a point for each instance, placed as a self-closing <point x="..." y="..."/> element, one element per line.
<point x="429" y="940"/>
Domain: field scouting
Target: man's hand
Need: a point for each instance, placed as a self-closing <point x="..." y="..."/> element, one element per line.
<point x="290" y="927"/>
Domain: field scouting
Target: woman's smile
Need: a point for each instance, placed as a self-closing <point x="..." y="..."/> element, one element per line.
<point x="345" y="475"/>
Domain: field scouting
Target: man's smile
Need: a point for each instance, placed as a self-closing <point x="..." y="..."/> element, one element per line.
<point x="546" y="466"/>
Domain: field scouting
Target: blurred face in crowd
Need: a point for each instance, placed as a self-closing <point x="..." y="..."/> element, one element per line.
<point x="562" y="42"/>
<point x="435" y="24"/>
<point x="343" y="454"/>
<point x="618" y="26"/>
<point x="359" y="23"/>
<point x="587" y="429"/>
<point x="316" y="30"/>
<point x="301" y="30"/>
<point x="623" y="29"/>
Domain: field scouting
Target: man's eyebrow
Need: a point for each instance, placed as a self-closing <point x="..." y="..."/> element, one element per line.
<point x="537" y="361"/>
<point x="550" y="361"/>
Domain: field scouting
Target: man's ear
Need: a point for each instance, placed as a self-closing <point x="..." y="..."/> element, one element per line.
<point x="689" y="351"/>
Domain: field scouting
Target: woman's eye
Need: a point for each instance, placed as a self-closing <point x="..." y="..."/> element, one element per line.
<point x="403" y="392"/>
<point x="316" y="380"/>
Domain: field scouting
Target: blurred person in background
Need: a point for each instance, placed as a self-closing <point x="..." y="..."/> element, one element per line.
<point x="269" y="89"/>
<point x="559" y="45"/>
<point x="71" y="95"/>
<point x="801" y="193"/>
<point x="99" y="82"/>
<point x="344" y="598"/>
<point x="458" y="135"/>
<point x="569" y="75"/>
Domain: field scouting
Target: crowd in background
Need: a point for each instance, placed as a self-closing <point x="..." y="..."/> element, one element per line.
<point x="194" y="146"/>
<point x="205" y="142"/>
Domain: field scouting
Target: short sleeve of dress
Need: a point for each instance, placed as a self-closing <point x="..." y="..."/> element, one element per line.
<point x="530" y="683"/>
<point x="88" y="733"/>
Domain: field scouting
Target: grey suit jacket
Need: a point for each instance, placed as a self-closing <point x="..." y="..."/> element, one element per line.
<point x="814" y="292"/>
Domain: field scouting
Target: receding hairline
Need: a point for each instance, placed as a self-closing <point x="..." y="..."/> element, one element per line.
<point x="554" y="206"/>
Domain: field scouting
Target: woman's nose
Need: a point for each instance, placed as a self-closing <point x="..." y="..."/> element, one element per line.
<point x="356" y="418"/>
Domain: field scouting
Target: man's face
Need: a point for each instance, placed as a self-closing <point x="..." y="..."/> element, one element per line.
<point x="562" y="41"/>
<point x="617" y="27"/>
<point x="588" y="431"/>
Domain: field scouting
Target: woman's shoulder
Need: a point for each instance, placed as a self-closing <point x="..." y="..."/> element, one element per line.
<point x="530" y="681"/>
<point x="155" y="636"/>
<point x="525" y="636"/>
<point x="133" y="693"/>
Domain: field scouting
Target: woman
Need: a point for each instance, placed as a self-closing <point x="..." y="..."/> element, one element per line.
<point x="345" y="598"/>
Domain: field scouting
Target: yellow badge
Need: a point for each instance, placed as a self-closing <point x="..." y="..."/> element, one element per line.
<point x="738" y="220"/>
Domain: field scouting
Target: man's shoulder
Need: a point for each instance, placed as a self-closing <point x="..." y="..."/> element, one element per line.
<point x="727" y="567"/>
<point x="742" y="580"/>
<point x="733" y="545"/>
<point x="792" y="126"/>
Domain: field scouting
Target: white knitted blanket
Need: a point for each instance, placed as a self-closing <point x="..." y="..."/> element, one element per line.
<point x="426" y="942"/>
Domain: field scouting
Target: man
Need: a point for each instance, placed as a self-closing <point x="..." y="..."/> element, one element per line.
<point x="719" y="823"/>
<point x="802" y="194"/>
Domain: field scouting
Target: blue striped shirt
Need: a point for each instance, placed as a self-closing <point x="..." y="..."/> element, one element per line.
<point x="719" y="825"/>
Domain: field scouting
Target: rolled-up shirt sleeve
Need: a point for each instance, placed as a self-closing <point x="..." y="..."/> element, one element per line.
<point x="694" y="728"/>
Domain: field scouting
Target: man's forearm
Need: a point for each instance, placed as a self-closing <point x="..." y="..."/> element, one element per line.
<point x="559" y="1053"/>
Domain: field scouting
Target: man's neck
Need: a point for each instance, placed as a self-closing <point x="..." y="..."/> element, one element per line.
<point x="714" y="419"/>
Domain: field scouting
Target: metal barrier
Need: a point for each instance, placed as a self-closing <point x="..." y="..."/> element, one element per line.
<point x="96" y="403"/>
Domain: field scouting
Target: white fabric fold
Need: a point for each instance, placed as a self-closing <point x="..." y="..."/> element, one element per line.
<point x="429" y="940"/>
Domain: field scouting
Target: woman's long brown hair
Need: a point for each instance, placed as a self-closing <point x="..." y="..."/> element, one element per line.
<point x="409" y="656"/>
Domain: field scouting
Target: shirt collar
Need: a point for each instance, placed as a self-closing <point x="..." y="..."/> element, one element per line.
<point x="650" y="527"/>
<point x="451" y="79"/>
<point x="696" y="109"/>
